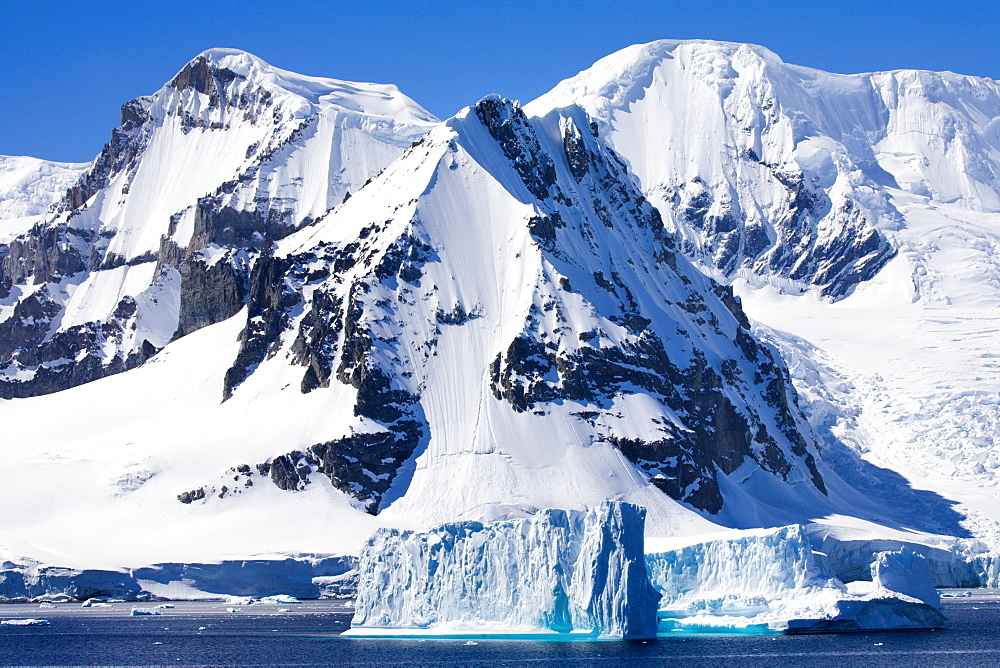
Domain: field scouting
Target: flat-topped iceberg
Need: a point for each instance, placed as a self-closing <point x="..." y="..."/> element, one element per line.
<point x="767" y="580"/>
<point x="555" y="572"/>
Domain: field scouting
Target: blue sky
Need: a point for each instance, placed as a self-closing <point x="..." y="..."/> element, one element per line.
<point x="69" y="65"/>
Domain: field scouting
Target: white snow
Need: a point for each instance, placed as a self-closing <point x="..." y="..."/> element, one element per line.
<point x="24" y="622"/>
<point x="162" y="428"/>
<point x="903" y="372"/>
<point x="553" y="572"/>
<point x="28" y="187"/>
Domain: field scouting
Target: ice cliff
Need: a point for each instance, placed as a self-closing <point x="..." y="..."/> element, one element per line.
<point x="557" y="571"/>
<point x="769" y="579"/>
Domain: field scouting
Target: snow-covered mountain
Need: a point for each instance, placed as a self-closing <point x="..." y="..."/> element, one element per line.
<point x="502" y="295"/>
<point x="345" y="315"/>
<point x="496" y="322"/>
<point x="882" y="192"/>
<point x="155" y="239"/>
<point x="782" y="174"/>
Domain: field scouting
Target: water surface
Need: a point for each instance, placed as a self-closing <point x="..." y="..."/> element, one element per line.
<point x="204" y="633"/>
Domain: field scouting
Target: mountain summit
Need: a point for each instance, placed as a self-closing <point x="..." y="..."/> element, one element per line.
<point x="155" y="239"/>
<point x="777" y="172"/>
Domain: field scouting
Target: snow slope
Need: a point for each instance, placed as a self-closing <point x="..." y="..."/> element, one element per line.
<point x="903" y="373"/>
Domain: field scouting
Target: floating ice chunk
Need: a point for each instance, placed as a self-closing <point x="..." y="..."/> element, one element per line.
<point x="900" y="596"/>
<point x="94" y="603"/>
<point x="45" y="605"/>
<point x="141" y="612"/>
<point x="234" y="609"/>
<point x="905" y="572"/>
<point x="768" y="579"/>
<point x="164" y="606"/>
<point x="241" y="600"/>
<point x="25" y="622"/>
<point x="279" y="599"/>
<point x="555" y="572"/>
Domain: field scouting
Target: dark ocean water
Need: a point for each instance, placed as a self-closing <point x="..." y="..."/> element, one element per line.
<point x="205" y="634"/>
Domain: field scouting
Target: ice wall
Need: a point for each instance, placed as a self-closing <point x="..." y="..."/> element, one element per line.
<point x="554" y="572"/>
<point x="904" y="572"/>
<point x="769" y="578"/>
<point x="31" y="582"/>
<point x="956" y="562"/>
<point x="738" y="570"/>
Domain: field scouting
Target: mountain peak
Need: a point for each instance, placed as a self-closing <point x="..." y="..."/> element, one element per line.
<point x="214" y="69"/>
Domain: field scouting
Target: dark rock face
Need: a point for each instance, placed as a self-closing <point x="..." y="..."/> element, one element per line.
<point x="68" y="358"/>
<point x="315" y="345"/>
<point x="268" y="304"/>
<point x="847" y="251"/>
<point x="225" y="226"/>
<point x="192" y="496"/>
<point x="128" y="141"/>
<point x="209" y="294"/>
<point x="508" y="125"/>
<point x="44" y="254"/>
<point x="336" y="343"/>
<point x="715" y="434"/>
<point x="199" y="75"/>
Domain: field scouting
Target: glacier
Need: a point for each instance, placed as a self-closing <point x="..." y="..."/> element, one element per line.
<point x="556" y="571"/>
<point x="770" y="580"/>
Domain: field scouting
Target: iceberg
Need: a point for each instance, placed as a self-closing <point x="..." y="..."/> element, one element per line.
<point x="768" y="580"/>
<point x="144" y="612"/>
<point x="25" y="622"/>
<point x="555" y="572"/>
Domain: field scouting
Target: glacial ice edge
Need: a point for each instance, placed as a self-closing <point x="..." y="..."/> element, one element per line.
<point x="769" y="579"/>
<point x="556" y="572"/>
<point x="563" y="574"/>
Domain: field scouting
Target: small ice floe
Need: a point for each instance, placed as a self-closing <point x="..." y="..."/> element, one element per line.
<point x="140" y="612"/>
<point x="165" y="606"/>
<point x="201" y="628"/>
<point x="241" y="600"/>
<point x="234" y="609"/>
<point x="54" y="598"/>
<point x="284" y="609"/>
<point x="45" y="605"/>
<point x="956" y="594"/>
<point x="95" y="603"/>
<point x="25" y="622"/>
<point x="471" y="642"/>
<point x="279" y="599"/>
